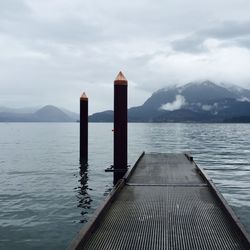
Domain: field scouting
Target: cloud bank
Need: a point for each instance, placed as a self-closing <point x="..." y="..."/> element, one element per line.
<point x="52" y="50"/>
<point x="178" y="103"/>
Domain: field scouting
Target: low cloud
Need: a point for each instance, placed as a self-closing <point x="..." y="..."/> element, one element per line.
<point x="227" y="33"/>
<point x="207" y="107"/>
<point x="243" y="99"/>
<point x="178" y="103"/>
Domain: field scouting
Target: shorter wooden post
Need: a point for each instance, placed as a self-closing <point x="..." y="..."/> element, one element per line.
<point x="84" y="129"/>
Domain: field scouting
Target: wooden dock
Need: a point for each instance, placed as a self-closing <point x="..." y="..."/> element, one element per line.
<point x="165" y="201"/>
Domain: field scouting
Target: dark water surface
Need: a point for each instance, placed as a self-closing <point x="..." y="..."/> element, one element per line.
<point x="45" y="198"/>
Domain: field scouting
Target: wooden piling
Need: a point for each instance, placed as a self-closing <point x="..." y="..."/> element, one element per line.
<point x="120" y="126"/>
<point x="84" y="129"/>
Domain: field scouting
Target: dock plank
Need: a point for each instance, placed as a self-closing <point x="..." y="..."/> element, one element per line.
<point x="159" y="168"/>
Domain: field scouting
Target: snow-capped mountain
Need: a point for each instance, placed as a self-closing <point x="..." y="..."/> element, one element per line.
<point x="194" y="101"/>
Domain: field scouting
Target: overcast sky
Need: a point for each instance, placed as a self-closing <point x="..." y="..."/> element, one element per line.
<point x="52" y="50"/>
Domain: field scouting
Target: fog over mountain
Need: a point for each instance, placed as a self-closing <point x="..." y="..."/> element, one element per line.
<point x="193" y="102"/>
<point x="47" y="113"/>
<point x="19" y="110"/>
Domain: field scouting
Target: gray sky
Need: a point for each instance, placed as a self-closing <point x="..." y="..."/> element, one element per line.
<point x="52" y="50"/>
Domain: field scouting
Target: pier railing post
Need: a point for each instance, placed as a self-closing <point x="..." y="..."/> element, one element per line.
<point x="84" y="129"/>
<point x="120" y="126"/>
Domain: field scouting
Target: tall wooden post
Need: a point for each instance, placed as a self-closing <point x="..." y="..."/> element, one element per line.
<point x="84" y="129"/>
<point x="120" y="126"/>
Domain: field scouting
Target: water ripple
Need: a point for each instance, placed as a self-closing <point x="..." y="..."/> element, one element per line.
<point x="46" y="195"/>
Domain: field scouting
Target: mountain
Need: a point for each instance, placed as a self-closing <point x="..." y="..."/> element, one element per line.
<point x="194" y="102"/>
<point x="47" y="113"/>
<point x="105" y="116"/>
<point x="19" y="110"/>
<point x="71" y="114"/>
<point x="51" y="113"/>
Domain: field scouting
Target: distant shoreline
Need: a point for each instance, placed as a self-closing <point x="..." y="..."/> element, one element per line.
<point x="183" y="122"/>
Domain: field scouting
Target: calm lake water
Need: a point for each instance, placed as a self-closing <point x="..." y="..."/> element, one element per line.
<point x="45" y="199"/>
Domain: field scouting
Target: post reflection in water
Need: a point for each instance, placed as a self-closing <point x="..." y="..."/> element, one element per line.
<point x="84" y="199"/>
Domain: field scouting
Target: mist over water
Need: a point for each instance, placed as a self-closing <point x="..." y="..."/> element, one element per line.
<point x="46" y="196"/>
